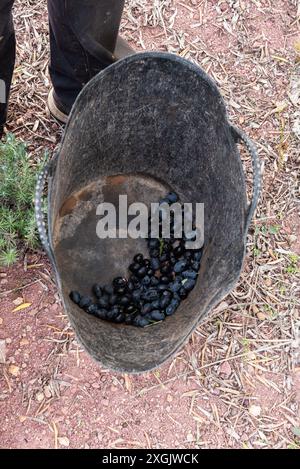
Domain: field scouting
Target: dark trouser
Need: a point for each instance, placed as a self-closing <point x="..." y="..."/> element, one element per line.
<point x="83" y="36"/>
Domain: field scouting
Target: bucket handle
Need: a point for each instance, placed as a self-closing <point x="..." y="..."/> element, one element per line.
<point x="239" y="135"/>
<point x="39" y="215"/>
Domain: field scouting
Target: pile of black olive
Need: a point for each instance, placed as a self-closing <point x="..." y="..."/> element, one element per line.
<point x="155" y="287"/>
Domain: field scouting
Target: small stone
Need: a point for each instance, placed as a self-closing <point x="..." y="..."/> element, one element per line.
<point x="1" y="321"/>
<point x="8" y="340"/>
<point x="22" y="418"/>
<point x="39" y="396"/>
<point x="18" y="301"/>
<point x="63" y="441"/>
<point x="14" y="370"/>
<point x="169" y="398"/>
<point x="255" y="410"/>
<point x="255" y="309"/>
<point x="24" y="342"/>
<point x="189" y="437"/>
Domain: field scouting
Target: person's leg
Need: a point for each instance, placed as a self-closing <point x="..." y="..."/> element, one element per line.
<point x="83" y="38"/>
<point x="7" y="56"/>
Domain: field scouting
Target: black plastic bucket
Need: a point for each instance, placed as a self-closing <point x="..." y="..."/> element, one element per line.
<point x="147" y="124"/>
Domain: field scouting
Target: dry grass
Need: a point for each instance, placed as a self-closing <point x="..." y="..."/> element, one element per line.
<point x="243" y="360"/>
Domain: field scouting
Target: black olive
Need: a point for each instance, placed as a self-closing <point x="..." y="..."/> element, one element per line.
<point x="120" y="290"/>
<point x="155" y="304"/>
<point x="164" y="257"/>
<point x="120" y="318"/>
<point x="154" y="281"/>
<point x="166" y="268"/>
<point x="136" y="295"/>
<point x="150" y="295"/>
<point x="182" y="293"/>
<point x="175" y="286"/>
<point x="172" y="307"/>
<point x="189" y="285"/>
<point x="113" y="312"/>
<point x="150" y="272"/>
<point x="190" y="274"/>
<point x="101" y="313"/>
<point x="113" y="299"/>
<point x="164" y="302"/>
<point x="154" y="253"/>
<point x="188" y="255"/>
<point x="165" y="200"/>
<point x="134" y="267"/>
<point x="130" y="286"/>
<point x="161" y="287"/>
<point x="157" y="315"/>
<point x="85" y="301"/>
<point x="155" y="264"/>
<point x="134" y="279"/>
<point x="172" y="197"/>
<point x="153" y="243"/>
<point x="138" y="258"/>
<point x="147" y="307"/>
<point x="128" y="320"/>
<point x="147" y="263"/>
<point x="197" y="256"/>
<point x="108" y="289"/>
<point x="104" y="302"/>
<point x="97" y="290"/>
<point x="164" y="280"/>
<point x="179" y="266"/>
<point x="139" y="321"/>
<point x="173" y="259"/>
<point x="167" y="293"/>
<point x="196" y="265"/>
<point x="178" y="251"/>
<point x="124" y="301"/>
<point x="119" y="282"/>
<point x="141" y="272"/>
<point x="130" y="309"/>
<point x="75" y="297"/>
<point x="146" y="280"/>
<point x="92" y="309"/>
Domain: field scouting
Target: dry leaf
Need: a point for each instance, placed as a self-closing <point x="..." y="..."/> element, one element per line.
<point x="14" y="370"/>
<point x="24" y="342"/>
<point x="22" y="306"/>
<point x="128" y="384"/>
<point x="63" y="441"/>
<point x="2" y="351"/>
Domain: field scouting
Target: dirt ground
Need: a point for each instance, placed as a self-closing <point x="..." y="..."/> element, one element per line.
<point x="236" y="384"/>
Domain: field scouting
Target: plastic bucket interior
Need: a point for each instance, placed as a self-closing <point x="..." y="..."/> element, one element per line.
<point x="150" y="123"/>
